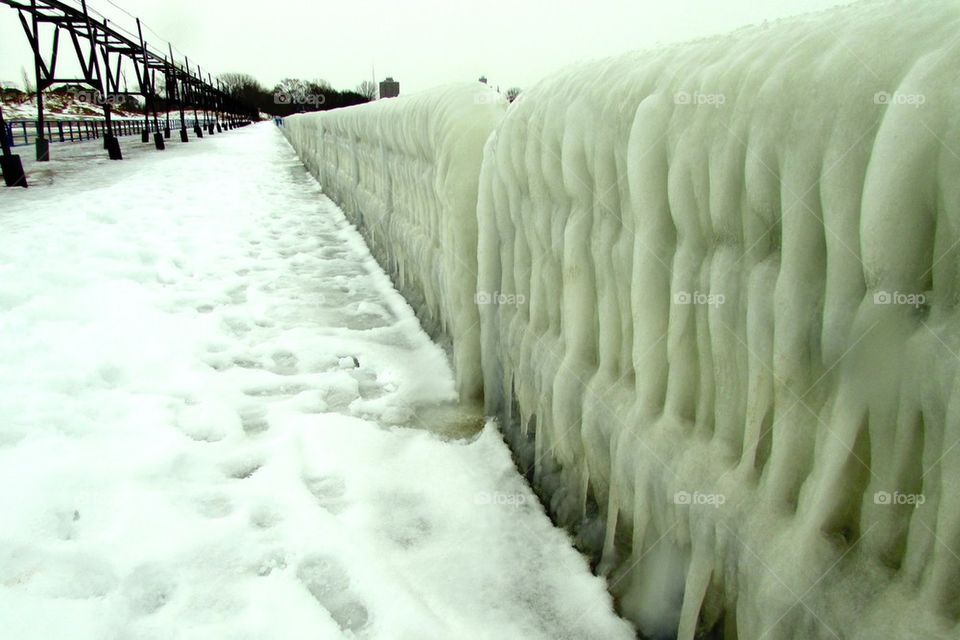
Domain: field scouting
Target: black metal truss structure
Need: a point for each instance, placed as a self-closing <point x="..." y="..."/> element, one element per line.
<point x="101" y="52"/>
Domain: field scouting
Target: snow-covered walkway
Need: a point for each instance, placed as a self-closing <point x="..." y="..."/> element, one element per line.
<point x="219" y="420"/>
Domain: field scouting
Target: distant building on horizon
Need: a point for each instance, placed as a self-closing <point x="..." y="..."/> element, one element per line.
<point x="389" y="88"/>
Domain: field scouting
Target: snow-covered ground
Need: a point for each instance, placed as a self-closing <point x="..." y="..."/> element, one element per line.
<point x="406" y="173"/>
<point x="59" y="106"/>
<point x="202" y="374"/>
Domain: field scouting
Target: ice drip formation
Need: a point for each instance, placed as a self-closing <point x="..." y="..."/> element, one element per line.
<point x="711" y="291"/>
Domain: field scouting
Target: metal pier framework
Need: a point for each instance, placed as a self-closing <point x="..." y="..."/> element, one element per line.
<point x="101" y="51"/>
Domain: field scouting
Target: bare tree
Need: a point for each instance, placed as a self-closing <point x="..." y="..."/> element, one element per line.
<point x="27" y="83"/>
<point x="319" y="84"/>
<point x="291" y="86"/>
<point x="290" y="95"/>
<point x="368" y="89"/>
<point x="512" y="93"/>
<point x="238" y="83"/>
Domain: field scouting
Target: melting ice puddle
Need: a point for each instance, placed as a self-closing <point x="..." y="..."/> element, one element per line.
<point x="449" y="421"/>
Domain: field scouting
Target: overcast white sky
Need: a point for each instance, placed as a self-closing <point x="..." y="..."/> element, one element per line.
<point x="422" y="43"/>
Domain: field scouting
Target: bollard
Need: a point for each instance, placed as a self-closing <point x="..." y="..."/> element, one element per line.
<point x="183" y="135"/>
<point x="12" y="168"/>
<point x="43" y="150"/>
<point x="158" y="141"/>
<point x="144" y="136"/>
<point x="113" y="147"/>
<point x="166" y="132"/>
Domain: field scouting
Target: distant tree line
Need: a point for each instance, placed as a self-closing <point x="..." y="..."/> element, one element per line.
<point x="290" y="95"/>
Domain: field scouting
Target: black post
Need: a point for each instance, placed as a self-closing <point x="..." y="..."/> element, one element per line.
<point x="193" y="102"/>
<point x="178" y="86"/>
<point x="166" y="86"/>
<point x="11" y="165"/>
<point x="213" y="102"/>
<point x="110" y="142"/>
<point x="204" y="99"/>
<point x="144" y="87"/>
<point x="150" y="98"/>
<point x="219" y="106"/>
<point x="42" y="144"/>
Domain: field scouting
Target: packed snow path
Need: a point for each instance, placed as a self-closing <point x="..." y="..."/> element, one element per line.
<point x="216" y="421"/>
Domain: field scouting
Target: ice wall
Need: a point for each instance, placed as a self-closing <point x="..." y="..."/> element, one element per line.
<point x="728" y="330"/>
<point x="405" y="171"/>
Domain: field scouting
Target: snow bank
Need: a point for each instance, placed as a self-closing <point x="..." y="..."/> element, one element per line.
<point x="405" y="171"/>
<point x="727" y="324"/>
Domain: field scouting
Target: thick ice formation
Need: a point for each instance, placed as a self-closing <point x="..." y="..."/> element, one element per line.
<point x="740" y="335"/>
<point x="723" y="329"/>
<point x="405" y="172"/>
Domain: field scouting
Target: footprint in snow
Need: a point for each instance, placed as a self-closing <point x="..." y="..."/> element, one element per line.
<point x="329" y="492"/>
<point x="253" y="420"/>
<point x="149" y="588"/>
<point x="264" y="516"/>
<point x="328" y="583"/>
<point x="285" y="363"/>
<point x="214" y="505"/>
<point x="242" y="468"/>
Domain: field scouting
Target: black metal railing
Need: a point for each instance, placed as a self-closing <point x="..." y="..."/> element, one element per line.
<point x="24" y="132"/>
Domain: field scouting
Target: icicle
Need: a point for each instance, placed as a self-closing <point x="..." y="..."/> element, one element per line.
<point x="698" y="579"/>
